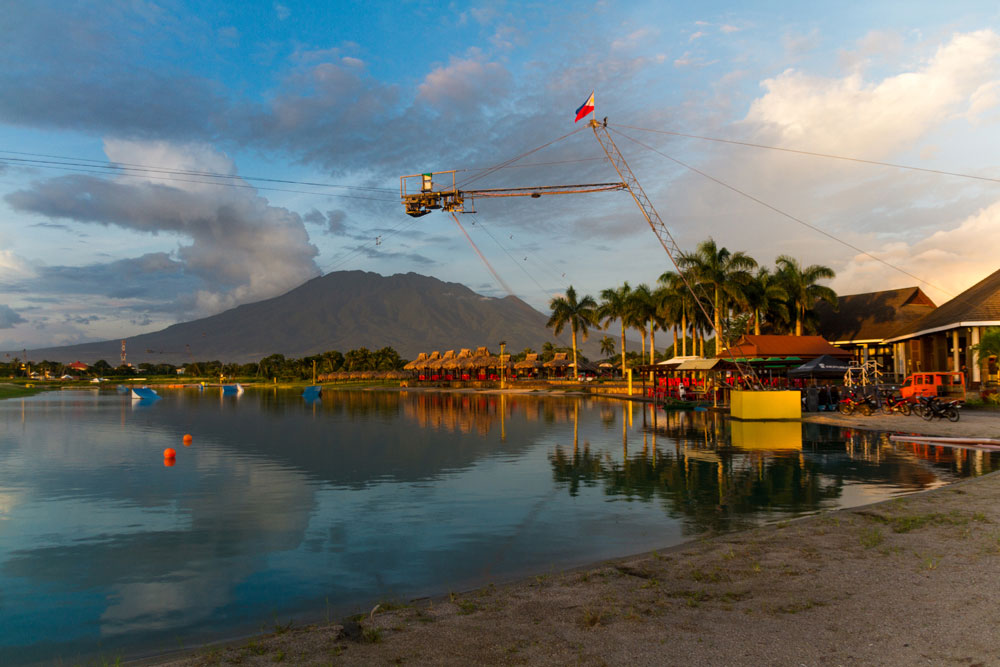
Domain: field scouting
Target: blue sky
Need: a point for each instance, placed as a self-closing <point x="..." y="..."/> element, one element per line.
<point x="357" y="94"/>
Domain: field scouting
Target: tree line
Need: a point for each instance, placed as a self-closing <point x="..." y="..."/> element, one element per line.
<point x="273" y="366"/>
<point x="715" y="294"/>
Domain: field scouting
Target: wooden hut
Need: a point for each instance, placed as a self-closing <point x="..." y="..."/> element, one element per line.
<point x="437" y="369"/>
<point x="483" y="364"/>
<point x="417" y="363"/>
<point x="558" y="365"/>
<point x="454" y="367"/>
<point x="529" y="366"/>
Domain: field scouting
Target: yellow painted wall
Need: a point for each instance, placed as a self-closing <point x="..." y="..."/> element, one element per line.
<point x="766" y="405"/>
<point x="770" y="435"/>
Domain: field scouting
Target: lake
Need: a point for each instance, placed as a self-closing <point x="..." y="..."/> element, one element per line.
<point x="286" y="509"/>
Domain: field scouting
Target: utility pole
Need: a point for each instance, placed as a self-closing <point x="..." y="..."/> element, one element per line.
<point x="503" y="366"/>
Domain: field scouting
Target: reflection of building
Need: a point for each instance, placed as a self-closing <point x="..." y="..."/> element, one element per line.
<point x="907" y="334"/>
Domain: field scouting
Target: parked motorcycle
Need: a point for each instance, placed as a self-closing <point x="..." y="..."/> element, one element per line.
<point x="895" y="403"/>
<point x="853" y="402"/>
<point x="931" y="407"/>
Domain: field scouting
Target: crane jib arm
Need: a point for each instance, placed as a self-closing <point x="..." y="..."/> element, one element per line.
<point x="437" y="196"/>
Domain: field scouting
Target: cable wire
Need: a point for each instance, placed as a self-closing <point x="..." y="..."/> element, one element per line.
<point x="784" y="214"/>
<point x="813" y="154"/>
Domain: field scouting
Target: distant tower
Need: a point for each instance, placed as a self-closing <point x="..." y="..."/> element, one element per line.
<point x="123" y="351"/>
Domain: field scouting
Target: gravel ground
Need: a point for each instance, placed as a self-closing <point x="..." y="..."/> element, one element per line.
<point x="906" y="582"/>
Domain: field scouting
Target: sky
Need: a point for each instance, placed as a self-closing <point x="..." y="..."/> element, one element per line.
<point x="166" y="161"/>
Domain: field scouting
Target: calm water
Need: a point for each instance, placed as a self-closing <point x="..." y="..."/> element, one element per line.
<point x="284" y="509"/>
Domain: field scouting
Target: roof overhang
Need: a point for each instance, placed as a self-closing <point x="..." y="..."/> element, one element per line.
<point x="946" y="327"/>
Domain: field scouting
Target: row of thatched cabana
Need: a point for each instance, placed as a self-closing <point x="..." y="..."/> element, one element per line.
<point x="481" y="362"/>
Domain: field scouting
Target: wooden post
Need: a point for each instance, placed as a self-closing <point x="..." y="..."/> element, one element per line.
<point x="630" y="382"/>
<point x="314" y="371"/>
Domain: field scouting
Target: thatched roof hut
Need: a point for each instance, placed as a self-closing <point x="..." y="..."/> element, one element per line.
<point x="530" y="362"/>
<point x="559" y="361"/>
<point x="464" y="355"/>
<point x="416" y="363"/>
<point x="482" y="359"/>
<point x="439" y="363"/>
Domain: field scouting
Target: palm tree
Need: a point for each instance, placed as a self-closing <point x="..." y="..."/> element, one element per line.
<point x="722" y="273"/>
<point x="640" y="311"/>
<point x="607" y="346"/>
<point x="615" y="306"/>
<point x="579" y="314"/>
<point x="764" y="295"/>
<point x="800" y="286"/>
<point x="988" y="346"/>
<point x="671" y="303"/>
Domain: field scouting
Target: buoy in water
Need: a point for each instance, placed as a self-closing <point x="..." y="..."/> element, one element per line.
<point x="169" y="453"/>
<point x="187" y="440"/>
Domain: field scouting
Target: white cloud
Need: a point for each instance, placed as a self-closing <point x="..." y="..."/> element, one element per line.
<point x="463" y="84"/>
<point x="635" y="38"/>
<point x="950" y="259"/>
<point x="282" y="11"/>
<point x="696" y="35"/>
<point x="726" y="28"/>
<point x="857" y="117"/>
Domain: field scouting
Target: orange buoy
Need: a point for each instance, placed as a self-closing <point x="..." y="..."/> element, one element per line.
<point x="187" y="440"/>
<point x="169" y="462"/>
<point x="169" y="453"/>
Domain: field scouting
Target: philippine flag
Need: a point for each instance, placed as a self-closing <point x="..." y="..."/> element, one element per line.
<point x="585" y="108"/>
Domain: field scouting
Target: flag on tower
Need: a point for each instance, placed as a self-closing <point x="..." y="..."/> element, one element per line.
<point x="585" y="108"/>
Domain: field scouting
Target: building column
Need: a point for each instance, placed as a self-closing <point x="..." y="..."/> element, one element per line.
<point x="955" y="365"/>
<point x="975" y="365"/>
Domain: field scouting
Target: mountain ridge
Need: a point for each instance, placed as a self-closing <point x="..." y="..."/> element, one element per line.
<point x="341" y="310"/>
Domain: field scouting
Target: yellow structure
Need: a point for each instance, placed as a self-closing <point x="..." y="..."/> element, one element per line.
<point x="767" y="435"/>
<point x="766" y="405"/>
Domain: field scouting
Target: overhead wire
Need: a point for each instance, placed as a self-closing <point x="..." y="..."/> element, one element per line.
<point x="242" y="186"/>
<point x="831" y="156"/>
<point x="782" y="212"/>
<point x="131" y="166"/>
<point x="512" y="160"/>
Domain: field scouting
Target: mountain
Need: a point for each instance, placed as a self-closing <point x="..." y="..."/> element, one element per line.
<point x="342" y="310"/>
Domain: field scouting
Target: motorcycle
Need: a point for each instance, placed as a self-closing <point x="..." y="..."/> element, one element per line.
<point x="852" y="402"/>
<point x="931" y="407"/>
<point x="894" y="403"/>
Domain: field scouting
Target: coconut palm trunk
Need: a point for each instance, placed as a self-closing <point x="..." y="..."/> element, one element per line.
<point x="576" y="367"/>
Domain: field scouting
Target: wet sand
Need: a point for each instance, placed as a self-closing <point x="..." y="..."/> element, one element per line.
<point x="903" y="582"/>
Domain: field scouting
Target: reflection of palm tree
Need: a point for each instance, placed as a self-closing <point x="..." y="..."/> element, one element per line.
<point x="578" y="314"/>
<point x="800" y="286"/>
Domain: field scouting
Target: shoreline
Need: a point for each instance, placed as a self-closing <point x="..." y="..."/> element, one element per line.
<point x="896" y="582"/>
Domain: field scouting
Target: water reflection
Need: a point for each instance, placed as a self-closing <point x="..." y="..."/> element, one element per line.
<point x="719" y="474"/>
<point x="283" y="504"/>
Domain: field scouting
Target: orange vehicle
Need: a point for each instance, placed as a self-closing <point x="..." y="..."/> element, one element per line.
<point x="951" y="385"/>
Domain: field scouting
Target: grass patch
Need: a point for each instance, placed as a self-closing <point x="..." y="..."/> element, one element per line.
<point x="594" y="617"/>
<point x="371" y="635"/>
<point x="911" y="522"/>
<point x="18" y="391"/>
<point x="871" y="537"/>
<point x="797" y="607"/>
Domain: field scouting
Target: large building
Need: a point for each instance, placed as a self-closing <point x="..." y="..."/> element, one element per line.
<point x="905" y="332"/>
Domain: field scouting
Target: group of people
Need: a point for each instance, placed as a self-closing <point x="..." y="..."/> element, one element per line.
<point x="822" y="398"/>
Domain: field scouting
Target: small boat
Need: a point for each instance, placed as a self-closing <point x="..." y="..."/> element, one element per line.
<point x="232" y="389"/>
<point x="312" y="391"/>
<point x="143" y="394"/>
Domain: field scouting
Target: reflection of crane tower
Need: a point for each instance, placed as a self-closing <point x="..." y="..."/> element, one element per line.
<point x="447" y="196"/>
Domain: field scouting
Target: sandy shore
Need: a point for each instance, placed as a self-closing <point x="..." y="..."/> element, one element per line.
<point x="909" y="581"/>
